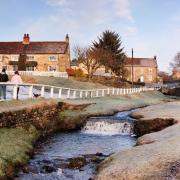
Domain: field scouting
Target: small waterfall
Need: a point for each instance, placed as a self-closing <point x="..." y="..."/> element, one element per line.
<point x="108" y="127"/>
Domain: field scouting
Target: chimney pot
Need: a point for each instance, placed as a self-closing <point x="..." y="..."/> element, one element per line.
<point x="26" y="39"/>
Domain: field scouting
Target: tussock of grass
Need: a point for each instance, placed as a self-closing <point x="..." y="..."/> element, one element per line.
<point x="15" y="143"/>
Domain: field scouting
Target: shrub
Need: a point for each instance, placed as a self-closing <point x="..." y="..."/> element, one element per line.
<point x="70" y="71"/>
<point x="79" y="73"/>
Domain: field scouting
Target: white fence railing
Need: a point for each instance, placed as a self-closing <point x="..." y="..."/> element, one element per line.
<point x="40" y="73"/>
<point x="39" y="90"/>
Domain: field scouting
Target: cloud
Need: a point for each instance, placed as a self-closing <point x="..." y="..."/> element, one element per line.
<point x="56" y="2"/>
<point x="130" y="30"/>
<point x="123" y="9"/>
<point x="118" y="8"/>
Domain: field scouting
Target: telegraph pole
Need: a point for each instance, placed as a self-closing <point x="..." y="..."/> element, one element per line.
<point x="132" y="67"/>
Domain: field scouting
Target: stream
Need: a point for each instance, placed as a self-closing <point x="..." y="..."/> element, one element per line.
<point x="76" y="155"/>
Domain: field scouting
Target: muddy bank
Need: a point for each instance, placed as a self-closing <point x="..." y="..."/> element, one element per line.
<point x="157" y="155"/>
<point x="171" y="92"/>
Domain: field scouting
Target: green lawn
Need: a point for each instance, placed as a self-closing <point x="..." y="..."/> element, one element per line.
<point x="69" y="83"/>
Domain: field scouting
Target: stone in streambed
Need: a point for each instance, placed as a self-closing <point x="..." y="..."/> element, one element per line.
<point x="77" y="163"/>
<point x="48" y="169"/>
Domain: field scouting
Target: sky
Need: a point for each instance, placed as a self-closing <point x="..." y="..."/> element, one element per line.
<point x="150" y="27"/>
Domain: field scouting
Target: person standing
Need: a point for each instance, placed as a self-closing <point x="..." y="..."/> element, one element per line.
<point x="3" y="78"/>
<point x="16" y="79"/>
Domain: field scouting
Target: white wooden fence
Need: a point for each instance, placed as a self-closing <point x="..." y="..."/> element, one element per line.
<point x="40" y="73"/>
<point x="46" y="91"/>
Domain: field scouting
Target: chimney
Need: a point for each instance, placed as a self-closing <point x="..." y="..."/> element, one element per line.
<point x="26" y="39"/>
<point x="67" y="38"/>
<point x="155" y="58"/>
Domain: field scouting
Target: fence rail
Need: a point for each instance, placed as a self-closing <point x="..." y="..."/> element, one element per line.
<point x="35" y="90"/>
<point x="42" y="73"/>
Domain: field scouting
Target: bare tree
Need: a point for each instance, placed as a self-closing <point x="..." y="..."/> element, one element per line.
<point x="175" y="64"/>
<point x="90" y="58"/>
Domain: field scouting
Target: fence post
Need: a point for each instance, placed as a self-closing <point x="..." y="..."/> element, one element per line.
<point x="113" y="91"/>
<point x="30" y="91"/>
<point x="42" y="91"/>
<point x="108" y="91"/>
<point x="52" y="92"/>
<point x="74" y="94"/>
<point x="81" y="94"/>
<point x="15" y="91"/>
<point x="97" y="93"/>
<point x="118" y="91"/>
<point x="60" y="93"/>
<point x="86" y="94"/>
<point x="103" y="92"/>
<point x="68" y="93"/>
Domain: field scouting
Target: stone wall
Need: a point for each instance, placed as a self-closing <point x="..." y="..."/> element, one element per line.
<point x="44" y="116"/>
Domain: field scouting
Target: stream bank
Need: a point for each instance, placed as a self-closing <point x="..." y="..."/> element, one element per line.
<point x="31" y="122"/>
<point x="157" y="154"/>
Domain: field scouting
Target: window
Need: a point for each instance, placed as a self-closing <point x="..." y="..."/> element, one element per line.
<point x="1" y="58"/>
<point x="30" y="68"/>
<point x="15" y="67"/>
<point x="51" y="68"/>
<point x="5" y="67"/>
<point x="14" y="57"/>
<point x="30" y="58"/>
<point x="150" y="70"/>
<point x="53" y="58"/>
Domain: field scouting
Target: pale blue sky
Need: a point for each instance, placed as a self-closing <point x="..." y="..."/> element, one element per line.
<point x="151" y="27"/>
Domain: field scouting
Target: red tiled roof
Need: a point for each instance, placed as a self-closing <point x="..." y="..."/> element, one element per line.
<point x="33" y="48"/>
<point x="142" y="62"/>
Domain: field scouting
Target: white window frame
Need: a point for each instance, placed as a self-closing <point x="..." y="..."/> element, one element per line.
<point x="53" y="58"/>
<point x="14" y="57"/>
<point x="30" y="68"/>
<point x="52" y="68"/>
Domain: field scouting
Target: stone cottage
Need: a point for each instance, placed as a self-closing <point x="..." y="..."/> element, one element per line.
<point x="52" y="56"/>
<point x="144" y="69"/>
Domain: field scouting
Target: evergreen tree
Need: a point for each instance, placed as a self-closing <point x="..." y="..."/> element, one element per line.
<point x="22" y="62"/>
<point x="113" y="57"/>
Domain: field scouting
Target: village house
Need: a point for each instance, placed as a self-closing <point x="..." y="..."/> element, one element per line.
<point x="176" y="73"/>
<point x="44" y="56"/>
<point x="144" y="69"/>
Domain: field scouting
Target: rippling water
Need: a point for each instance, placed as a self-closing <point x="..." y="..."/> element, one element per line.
<point x="56" y="152"/>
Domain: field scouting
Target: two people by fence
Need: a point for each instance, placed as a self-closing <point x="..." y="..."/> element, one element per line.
<point x="16" y="79"/>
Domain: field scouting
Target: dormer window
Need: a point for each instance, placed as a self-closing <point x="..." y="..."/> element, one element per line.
<point x="52" y="58"/>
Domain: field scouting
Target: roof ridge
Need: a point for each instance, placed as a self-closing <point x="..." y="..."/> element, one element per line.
<point x="34" y="41"/>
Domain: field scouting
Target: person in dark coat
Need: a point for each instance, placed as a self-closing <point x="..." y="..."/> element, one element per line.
<point x="3" y="79"/>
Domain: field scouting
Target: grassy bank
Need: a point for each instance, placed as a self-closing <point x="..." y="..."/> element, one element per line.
<point x="62" y="82"/>
<point x="16" y="143"/>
